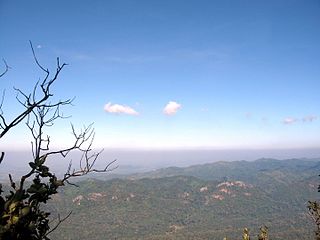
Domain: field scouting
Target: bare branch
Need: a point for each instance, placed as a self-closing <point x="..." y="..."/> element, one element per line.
<point x="2" y="99"/>
<point x="40" y="113"/>
<point x="6" y="68"/>
<point x="36" y="60"/>
<point x="12" y="183"/>
<point x="59" y="222"/>
<point x="2" y="156"/>
<point x="30" y="101"/>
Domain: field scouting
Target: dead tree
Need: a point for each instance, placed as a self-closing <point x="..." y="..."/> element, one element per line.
<point x="21" y="214"/>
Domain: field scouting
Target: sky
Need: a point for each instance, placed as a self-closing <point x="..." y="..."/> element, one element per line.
<point x="171" y="74"/>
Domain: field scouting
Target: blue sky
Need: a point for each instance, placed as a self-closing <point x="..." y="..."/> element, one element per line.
<point x="238" y="74"/>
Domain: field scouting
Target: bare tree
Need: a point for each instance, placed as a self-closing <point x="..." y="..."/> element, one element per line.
<point x="21" y="214"/>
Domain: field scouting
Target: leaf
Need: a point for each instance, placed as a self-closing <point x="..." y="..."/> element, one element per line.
<point x="32" y="165"/>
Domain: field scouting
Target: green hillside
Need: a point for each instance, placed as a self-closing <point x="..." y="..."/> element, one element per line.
<point x="200" y="202"/>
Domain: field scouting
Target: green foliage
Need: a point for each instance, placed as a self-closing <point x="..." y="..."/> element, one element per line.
<point x="20" y="211"/>
<point x="263" y="233"/>
<point x="245" y="234"/>
<point x="314" y="210"/>
<point x="262" y="236"/>
<point x="176" y="208"/>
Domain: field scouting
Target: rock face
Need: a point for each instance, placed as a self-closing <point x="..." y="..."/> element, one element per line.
<point x="94" y="196"/>
<point x="204" y="189"/>
<point x="77" y="200"/>
<point x="234" y="183"/>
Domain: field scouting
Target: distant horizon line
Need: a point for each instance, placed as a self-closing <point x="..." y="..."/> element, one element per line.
<point x="185" y="149"/>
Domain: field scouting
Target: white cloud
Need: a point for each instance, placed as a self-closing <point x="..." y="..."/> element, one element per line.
<point x="309" y="118"/>
<point x="289" y="120"/>
<point x="119" y="109"/>
<point x="39" y="46"/>
<point x="171" y="108"/>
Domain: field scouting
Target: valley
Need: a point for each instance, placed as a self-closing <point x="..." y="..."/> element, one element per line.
<point x="207" y="201"/>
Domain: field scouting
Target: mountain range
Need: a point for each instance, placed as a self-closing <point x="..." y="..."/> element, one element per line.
<point x="208" y="201"/>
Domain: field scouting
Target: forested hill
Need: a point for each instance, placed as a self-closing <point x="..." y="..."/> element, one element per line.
<point x="246" y="170"/>
<point x="200" y="202"/>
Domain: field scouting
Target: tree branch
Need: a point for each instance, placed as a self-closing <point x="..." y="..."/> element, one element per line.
<point x="6" y="68"/>
<point x="30" y="102"/>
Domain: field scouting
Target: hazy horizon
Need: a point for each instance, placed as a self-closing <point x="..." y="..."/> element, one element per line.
<point x="137" y="160"/>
